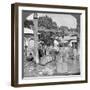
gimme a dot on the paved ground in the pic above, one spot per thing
(62, 65)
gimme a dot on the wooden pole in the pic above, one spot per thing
(36, 37)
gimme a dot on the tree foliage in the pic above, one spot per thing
(64, 30)
(47, 22)
(28, 23)
(43, 21)
(46, 37)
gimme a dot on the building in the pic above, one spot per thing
(69, 40)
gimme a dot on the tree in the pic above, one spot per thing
(64, 31)
(46, 37)
(47, 22)
(28, 23)
(43, 21)
(54, 25)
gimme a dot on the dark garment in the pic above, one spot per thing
(30, 59)
(41, 53)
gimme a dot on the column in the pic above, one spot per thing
(35, 17)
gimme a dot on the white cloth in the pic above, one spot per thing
(56, 43)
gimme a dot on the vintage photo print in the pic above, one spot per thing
(51, 45)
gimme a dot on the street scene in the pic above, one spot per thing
(51, 44)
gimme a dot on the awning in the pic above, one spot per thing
(28, 31)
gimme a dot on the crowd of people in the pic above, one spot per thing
(65, 57)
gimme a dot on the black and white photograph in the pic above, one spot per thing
(49, 44)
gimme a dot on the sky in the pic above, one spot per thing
(61, 19)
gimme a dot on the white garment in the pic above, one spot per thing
(56, 43)
(31, 44)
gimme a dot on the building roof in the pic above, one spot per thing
(28, 31)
